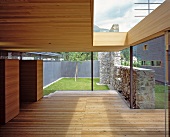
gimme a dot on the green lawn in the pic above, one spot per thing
(160, 96)
(70, 84)
(66, 84)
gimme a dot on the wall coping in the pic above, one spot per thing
(135, 68)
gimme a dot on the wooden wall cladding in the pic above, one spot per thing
(31, 80)
(52, 24)
(39, 79)
(9, 90)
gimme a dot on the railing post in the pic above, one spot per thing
(131, 77)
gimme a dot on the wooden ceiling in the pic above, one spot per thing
(116, 39)
(152, 26)
(64, 25)
(47, 25)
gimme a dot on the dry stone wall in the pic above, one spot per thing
(145, 97)
(143, 86)
(107, 61)
(117, 77)
(104, 58)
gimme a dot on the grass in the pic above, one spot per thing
(66, 84)
(160, 96)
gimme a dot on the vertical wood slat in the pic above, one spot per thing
(31, 80)
(9, 90)
(39, 79)
(2, 91)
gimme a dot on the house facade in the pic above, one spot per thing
(152, 56)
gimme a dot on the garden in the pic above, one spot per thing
(75, 75)
(84, 84)
(69, 84)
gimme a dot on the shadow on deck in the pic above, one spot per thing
(84, 114)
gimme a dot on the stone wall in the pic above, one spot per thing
(143, 85)
(145, 97)
(117, 77)
(107, 61)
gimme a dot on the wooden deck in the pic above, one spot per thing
(84, 114)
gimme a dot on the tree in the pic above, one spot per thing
(76, 57)
(125, 54)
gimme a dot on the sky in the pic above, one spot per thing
(108, 12)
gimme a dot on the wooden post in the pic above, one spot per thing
(91, 71)
(131, 77)
(9, 89)
(31, 80)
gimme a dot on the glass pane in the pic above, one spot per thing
(151, 91)
(125, 57)
(101, 70)
(71, 73)
(167, 95)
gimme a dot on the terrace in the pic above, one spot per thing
(67, 26)
(82, 114)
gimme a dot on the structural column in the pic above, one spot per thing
(91, 71)
(169, 85)
(9, 89)
(131, 77)
(167, 43)
(31, 80)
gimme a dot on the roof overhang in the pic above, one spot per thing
(62, 25)
(115, 39)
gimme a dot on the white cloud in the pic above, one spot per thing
(101, 6)
(108, 12)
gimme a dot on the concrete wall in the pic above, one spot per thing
(68, 69)
(84, 69)
(51, 72)
(156, 51)
(55, 70)
(96, 68)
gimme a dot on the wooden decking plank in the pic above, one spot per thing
(84, 114)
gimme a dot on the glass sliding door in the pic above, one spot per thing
(73, 72)
(102, 66)
(151, 92)
(167, 89)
